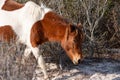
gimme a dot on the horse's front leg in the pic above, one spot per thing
(40, 61)
(26, 54)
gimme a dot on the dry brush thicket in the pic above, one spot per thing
(101, 27)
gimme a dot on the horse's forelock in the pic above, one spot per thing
(78, 32)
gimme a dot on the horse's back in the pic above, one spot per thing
(2, 2)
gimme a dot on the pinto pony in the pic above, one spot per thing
(33, 25)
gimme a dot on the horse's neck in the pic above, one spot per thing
(54, 33)
(54, 26)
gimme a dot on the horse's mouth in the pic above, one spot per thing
(75, 62)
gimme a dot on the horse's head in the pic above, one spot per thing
(72, 43)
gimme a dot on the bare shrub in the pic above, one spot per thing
(10, 63)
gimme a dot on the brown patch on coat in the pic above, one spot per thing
(37, 35)
(51, 28)
(12, 5)
(7, 34)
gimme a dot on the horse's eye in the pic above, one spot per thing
(75, 40)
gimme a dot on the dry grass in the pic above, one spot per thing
(12, 69)
(10, 63)
(10, 60)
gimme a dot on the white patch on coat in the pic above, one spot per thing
(22, 20)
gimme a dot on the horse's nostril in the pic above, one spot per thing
(79, 61)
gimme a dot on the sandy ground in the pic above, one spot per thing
(89, 69)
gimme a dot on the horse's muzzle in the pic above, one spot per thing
(77, 60)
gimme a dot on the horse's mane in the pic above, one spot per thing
(36, 11)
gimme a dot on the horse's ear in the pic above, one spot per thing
(79, 25)
(67, 32)
(70, 30)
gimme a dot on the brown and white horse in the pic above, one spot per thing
(33, 25)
